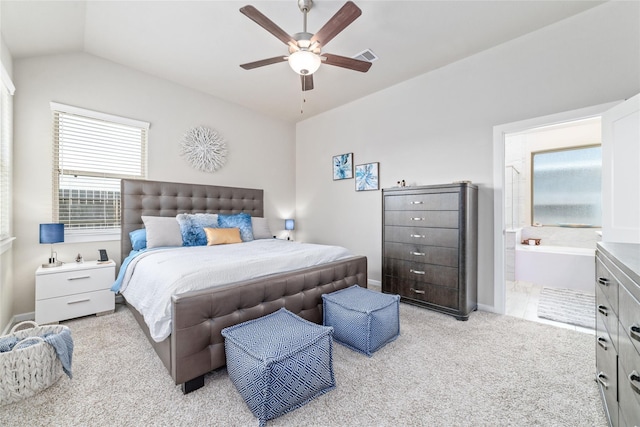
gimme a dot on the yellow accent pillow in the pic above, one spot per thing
(221, 236)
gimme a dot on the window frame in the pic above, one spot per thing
(7, 90)
(92, 234)
(532, 182)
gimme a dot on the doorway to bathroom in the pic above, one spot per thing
(557, 250)
(552, 221)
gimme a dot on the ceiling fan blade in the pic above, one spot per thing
(263, 62)
(338, 22)
(256, 16)
(345, 62)
(307, 82)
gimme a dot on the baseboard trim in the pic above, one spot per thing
(17, 319)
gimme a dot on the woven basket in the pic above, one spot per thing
(31, 366)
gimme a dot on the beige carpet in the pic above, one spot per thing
(490, 371)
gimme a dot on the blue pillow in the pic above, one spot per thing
(138, 239)
(241, 221)
(192, 227)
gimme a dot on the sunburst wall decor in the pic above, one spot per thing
(204, 149)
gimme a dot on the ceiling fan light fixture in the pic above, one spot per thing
(304, 62)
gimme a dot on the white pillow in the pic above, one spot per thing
(260, 228)
(162, 231)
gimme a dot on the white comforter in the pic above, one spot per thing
(152, 277)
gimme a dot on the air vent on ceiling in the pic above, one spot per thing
(366, 55)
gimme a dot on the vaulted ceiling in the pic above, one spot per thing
(200, 44)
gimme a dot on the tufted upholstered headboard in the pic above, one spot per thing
(156, 198)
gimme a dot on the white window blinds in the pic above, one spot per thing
(6, 153)
(91, 153)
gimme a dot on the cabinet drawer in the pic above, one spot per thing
(606, 281)
(418, 291)
(629, 317)
(421, 253)
(419, 202)
(606, 369)
(607, 316)
(70, 306)
(422, 236)
(73, 282)
(437, 219)
(420, 272)
(629, 380)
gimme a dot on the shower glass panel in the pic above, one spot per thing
(512, 197)
(566, 188)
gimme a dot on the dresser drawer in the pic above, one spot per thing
(629, 314)
(415, 202)
(73, 282)
(420, 272)
(421, 253)
(436, 219)
(422, 292)
(607, 316)
(629, 380)
(422, 236)
(606, 369)
(70, 306)
(606, 281)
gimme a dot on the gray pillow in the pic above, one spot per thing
(260, 228)
(162, 231)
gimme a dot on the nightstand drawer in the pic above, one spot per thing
(73, 282)
(70, 306)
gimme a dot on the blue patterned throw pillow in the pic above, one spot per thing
(241, 221)
(192, 227)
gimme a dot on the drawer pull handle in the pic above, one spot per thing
(603, 281)
(418, 235)
(601, 379)
(79, 301)
(417, 219)
(417, 253)
(416, 202)
(416, 271)
(417, 291)
(603, 310)
(634, 381)
(602, 342)
(79, 278)
(634, 331)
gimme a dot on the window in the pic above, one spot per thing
(6, 142)
(92, 152)
(566, 187)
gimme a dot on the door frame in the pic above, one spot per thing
(499, 135)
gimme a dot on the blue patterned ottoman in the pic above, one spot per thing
(362, 319)
(279, 362)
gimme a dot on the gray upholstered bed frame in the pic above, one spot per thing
(196, 346)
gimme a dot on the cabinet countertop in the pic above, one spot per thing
(625, 255)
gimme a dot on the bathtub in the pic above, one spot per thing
(557, 267)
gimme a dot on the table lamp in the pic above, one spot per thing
(52, 233)
(289, 224)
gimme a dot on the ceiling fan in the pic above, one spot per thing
(305, 49)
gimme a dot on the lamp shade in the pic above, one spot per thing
(304, 62)
(289, 224)
(51, 233)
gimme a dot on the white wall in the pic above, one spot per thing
(6, 258)
(261, 150)
(437, 128)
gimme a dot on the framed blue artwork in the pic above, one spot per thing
(367, 176)
(343, 166)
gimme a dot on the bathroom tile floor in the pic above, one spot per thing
(522, 301)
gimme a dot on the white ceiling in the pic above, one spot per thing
(200, 44)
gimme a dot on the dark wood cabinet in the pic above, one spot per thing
(430, 246)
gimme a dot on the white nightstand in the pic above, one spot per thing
(74, 290)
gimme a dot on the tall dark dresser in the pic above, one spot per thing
(430, 246)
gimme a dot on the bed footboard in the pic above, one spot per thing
(197, 346)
